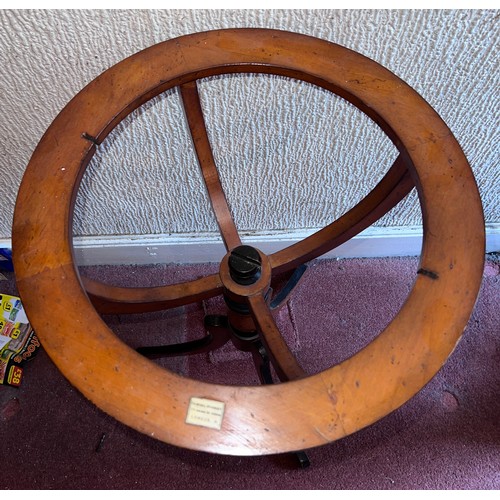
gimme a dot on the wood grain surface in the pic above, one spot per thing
(294, 415)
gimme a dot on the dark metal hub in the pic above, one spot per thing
(245, 265)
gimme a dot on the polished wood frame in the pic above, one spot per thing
(305, 411)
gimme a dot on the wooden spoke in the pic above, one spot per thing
(393, 187)
(284, 362)
(196, 122)
(108, 299)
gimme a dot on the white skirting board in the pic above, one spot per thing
(198, 248)
(208, 247)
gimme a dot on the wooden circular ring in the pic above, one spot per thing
(264, 419)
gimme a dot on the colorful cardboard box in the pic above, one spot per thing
(18, 341)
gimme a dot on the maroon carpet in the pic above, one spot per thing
(446, 437)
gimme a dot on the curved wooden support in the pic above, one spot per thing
(308, 411)
(282, 359)
(393, 187)
(196, 122)
(109, 299)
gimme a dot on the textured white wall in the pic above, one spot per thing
(290, 156)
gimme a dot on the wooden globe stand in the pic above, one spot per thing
(302, 411)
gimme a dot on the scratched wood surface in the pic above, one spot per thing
(306, 411)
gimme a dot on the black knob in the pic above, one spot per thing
(245, 265)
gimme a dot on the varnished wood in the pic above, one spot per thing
(109, 299)
(394, 186)
(299, 414)
(196, 122)
(286, 365)
(240, 292)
